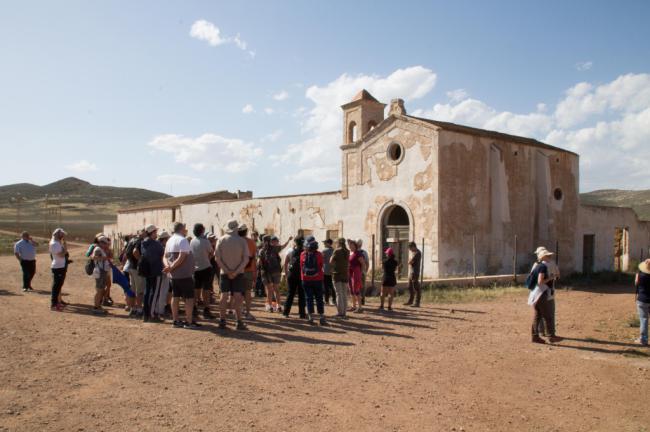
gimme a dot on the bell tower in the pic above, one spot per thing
(360, 115)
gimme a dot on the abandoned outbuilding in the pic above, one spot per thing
(474, 200)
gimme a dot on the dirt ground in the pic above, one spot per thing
(461, 367)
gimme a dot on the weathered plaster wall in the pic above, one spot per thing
(602, 223)
(129, 223)
(497, 189)
(375, 183)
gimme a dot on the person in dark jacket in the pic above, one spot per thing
(294, 284)
(389, 280)
(642, 283)
(151, 268)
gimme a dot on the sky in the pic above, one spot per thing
(196, 96)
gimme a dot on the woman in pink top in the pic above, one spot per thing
(357, 264)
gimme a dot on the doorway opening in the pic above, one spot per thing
(396, 233)
(588, 249)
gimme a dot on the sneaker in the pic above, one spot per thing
(555, 339)
(190, 326)
(133, 313)
(241, 325)
(197, 324)
(178, 324)
(310, 319)
(127, 308)
(322, 321)
(25, 289)
(222, 324)
(250, 316)
(207, 314)
(268, 308)
(57, 308)
(641, 342)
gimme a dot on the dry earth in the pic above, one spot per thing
(472, 369)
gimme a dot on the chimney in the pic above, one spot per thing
(397, 107)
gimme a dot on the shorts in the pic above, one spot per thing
(183, 288)
(203, 279)
(137, 282)
(248, 280)
(389, 282)
(100, 281)
(236, 285)
(271, 278)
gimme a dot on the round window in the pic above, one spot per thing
(557, 193)
(395, 152)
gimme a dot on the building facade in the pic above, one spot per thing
(475, 201)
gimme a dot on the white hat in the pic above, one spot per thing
(542, 252)
(58, 231)
(232, 226)
(103, 239)
(211, 235)
(163, 235)
(644, 267)
(150, 228)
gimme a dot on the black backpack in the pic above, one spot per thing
(310, 268)
(531, 279)
(89, 268)
(294, 264)
(130, 247)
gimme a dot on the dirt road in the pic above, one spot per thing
(431, 369)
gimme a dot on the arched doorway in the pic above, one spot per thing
(396, 233)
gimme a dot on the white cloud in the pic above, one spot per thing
(248, 108)
(81, 166)
(323, 122)
(176, 179)
(280, 96)
(273, 136)
(207, 31)
(269, 111)
(209, 151)
(457, 95)
(607, 124)
(584, 66)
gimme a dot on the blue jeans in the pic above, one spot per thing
(643, 309)
(314, 289)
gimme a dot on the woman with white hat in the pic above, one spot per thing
(538, 298)
(59, 267)
(642, 283)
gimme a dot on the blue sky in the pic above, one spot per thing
(187, 97)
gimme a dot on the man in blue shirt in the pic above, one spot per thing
(25, 252)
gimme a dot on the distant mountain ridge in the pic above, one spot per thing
(638, 200)
(81, 191)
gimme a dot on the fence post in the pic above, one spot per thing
(422, 264)
(557, 253)
(374, 256)
(474, 258)
(514, 263)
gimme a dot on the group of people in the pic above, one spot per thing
(166, 269)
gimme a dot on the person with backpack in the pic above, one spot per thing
(311, 275)
(294, 283)
(133, 254)
(389, 280)
(271, 267)
(340, 264)
(328, 285)
(537, 281)
(102, 265)
(554, 273)
(151, 268)
(415, 262)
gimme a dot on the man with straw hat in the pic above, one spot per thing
(538, 297)
(642, 283)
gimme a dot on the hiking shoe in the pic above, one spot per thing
(310, 319)
(539, 340)
(222, 324)
(323, 321)
(555, 339)
(250, 316)
(178, 324)
(241, 325)
(25, 289)
(190, 326)
(207, 314)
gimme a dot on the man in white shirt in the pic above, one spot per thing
(25, 252)
(58, 266)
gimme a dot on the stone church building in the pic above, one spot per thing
(468, 197)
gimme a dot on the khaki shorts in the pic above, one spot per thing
(137, 282)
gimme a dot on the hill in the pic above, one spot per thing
(75, 204)
(637, 200)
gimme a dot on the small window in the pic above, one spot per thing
(352, 132)
(557, 193)
(395, 152)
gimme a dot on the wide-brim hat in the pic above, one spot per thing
(150, 228)
(644, 267)
(544, 253)
(163, 235)
(232, 226)
(58, 231)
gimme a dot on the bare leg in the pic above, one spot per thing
(223, 305)
(175, 303)
(382, 295)
(99, 296)
(189, 306)
(237, 300)
(248, 298)
(391, 294)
